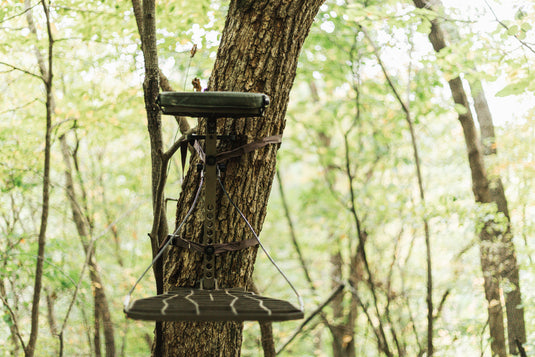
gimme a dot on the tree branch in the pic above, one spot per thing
(21, 70)
(522, 42)
(361, 236)
(408, 118)
(319, 309)
(298, 249)
(26, 9)
(14, 319)
(164, 82)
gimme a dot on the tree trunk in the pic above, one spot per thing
(51, 317)
(82, 226)
(96, 332)
(46, 76)
(516, 327)
(259, 49)
(145, 15)
(344, 330)
(480, 188)
(266, 331)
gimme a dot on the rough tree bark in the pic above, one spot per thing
(489, 252)
(259, 49)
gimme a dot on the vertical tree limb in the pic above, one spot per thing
(516, 327)
(417, 162)
(300, 255)
(51, 317)
(102, 310)
(361, 249)
(266, 331)
(480, 188)
(46, 75)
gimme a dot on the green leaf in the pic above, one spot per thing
(513, 30)
(7, 319)
(460, 109)
(513, 88)
(424, 27)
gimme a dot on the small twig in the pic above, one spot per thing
(14, 318)
(19, 14)
(21, 70)
(86, 263)
(404, 105)
(48, 262)
(87, 11)
(362, 235)
(292, 232)
(379, 333)
(441, 304)
(62, 122)
(20, 106)
(524, 43)
(298, 249)
(482, 338)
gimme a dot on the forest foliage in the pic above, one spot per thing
(346, 171)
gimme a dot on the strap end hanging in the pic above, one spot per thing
(183, 157)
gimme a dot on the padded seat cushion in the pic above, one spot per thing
(219, 104)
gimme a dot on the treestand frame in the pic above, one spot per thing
(208, 302)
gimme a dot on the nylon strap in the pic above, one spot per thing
(219, 248)
(241, 150)
(211, 158)
(244, 149)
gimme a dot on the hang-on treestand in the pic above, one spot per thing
(209, 302)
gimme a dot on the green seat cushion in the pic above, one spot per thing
(219, 104)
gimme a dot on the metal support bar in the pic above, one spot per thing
(210, 227)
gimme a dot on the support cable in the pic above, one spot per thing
(301, 305)
(162, 249)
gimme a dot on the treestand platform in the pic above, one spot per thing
(184, 304)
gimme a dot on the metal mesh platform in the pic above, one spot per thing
(185, 304)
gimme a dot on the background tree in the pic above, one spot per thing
(494, 240)
(46, 70)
